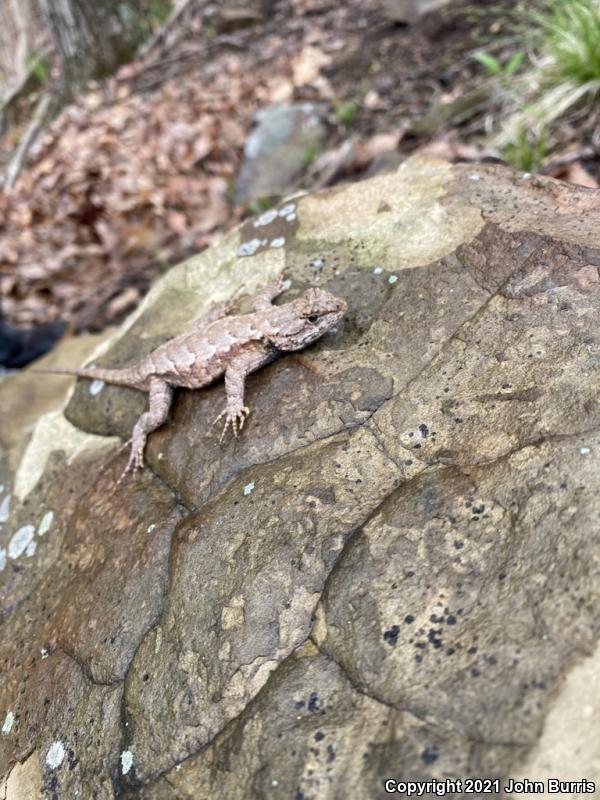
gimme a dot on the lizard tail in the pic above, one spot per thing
(118, 377)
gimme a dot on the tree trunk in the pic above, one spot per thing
(93, 36)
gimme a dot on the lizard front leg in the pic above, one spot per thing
(235, 412)
(159, 402)
(264, 299)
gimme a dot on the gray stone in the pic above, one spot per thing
(285, 140)
(411, 11)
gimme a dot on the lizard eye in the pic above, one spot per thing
(312, 318)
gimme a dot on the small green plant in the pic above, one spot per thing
(39, 67)
(159, 10)
(495, 67)
(347, 112)
(261, 204)
(527, 152)
(311, 151)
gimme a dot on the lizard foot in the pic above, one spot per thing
(233, 418)
(136, 462)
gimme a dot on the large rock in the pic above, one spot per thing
(393, 573)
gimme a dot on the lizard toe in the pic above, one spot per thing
(221, 415)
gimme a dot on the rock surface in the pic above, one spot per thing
(393, 573)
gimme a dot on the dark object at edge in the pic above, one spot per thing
(19, 347)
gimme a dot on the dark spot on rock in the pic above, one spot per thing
(408, 462)
(313, 701)
(424, 430)
(451, 620)
(300, 704)
(458, 544)
(430, 754)
(475, 672)
(330, 754)
(391, 636)
(409, 618)
(319, 735)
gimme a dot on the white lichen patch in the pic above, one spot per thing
(30, 549)
(126, 761)
(44, 653)
(151, 528)
(392, 279)
(584, 451)
(290, 218)
(287, 209)
(278, 242)
(5, 509)
(266, 218)
(377, 270)
(20, 541)
(2, 558)
(249, 488)
(474, 177)
(9, 721)
(55, 755)
(96, 387)
(249, 248)
(46, 523)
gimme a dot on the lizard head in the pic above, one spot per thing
(307, 318)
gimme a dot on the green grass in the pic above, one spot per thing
(527, 152)
(570, 32)
(563, 73)
(494, 66)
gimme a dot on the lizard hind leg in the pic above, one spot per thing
(160, 396)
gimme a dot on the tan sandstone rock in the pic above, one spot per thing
(393, 573)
